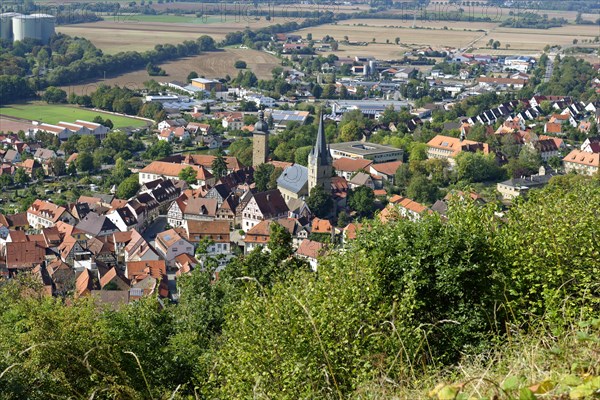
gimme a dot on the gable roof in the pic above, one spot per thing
(156, 269)
(172, 170)
(23, 255)
(311, 249)
(271, 203)
(388, 168)
(351, 165)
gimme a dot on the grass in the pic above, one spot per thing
(54, 113)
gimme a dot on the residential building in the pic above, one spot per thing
(447, 148)
(262, 206)
(217, 232)
(582, 162)
(347, 167)
(43, 214)
(170, 244)
(161, 169)
(311, 251)
(516, 187)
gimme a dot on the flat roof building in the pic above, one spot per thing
(368, 151)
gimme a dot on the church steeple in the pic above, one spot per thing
(320, 163)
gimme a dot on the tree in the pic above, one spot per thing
(160, 149)
(54, 95)
(128, 188)
(87, 144)
(192, 75)
(5, 181)
(350, 132)
(121, 171)
(72, 168)
(301, 155)
(273, 178)
(85, 162)
(21, 177)
(219, 166)
(421, 189)
(320, 202)
(38, 174)
(335, 46)
(58, 166)
(189, 175)
(477, 167)
(239, 64)
(262, 176)
(362, 201)
(397, 40)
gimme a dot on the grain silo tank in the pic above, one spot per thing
(6, 29)
(25, 26)
(45, 23)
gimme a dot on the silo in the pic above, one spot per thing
(45, 22)
(6, 30)
(25, 26)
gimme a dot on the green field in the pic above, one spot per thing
(52, 114)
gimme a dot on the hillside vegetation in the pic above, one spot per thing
(475, 306)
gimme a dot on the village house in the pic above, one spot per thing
(161, 169)
(262, 206)
(216, 232)
(403, 207)
(173, 134)
(582, 162)
(170, 244)
(447, 148)
(347, 167)
(43, 214)
(311, 251)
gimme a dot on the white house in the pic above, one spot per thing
(170, 244)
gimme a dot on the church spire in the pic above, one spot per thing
(320, 153)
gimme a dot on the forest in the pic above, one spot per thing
(406, 309)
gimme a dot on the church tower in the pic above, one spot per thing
(260, 141)
(320, 163)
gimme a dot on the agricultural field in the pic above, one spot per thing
(52, 114)
(131, 33)
(444, 34)
(210, 65)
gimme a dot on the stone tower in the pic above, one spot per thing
(260, 141)
(320, 163)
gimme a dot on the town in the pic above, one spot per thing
(124, 194)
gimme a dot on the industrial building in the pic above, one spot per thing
(15, 26)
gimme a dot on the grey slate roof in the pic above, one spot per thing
(293, 178)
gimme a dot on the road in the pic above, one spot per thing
(157, 226)
(549, 67)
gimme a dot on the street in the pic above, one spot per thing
(157, 226)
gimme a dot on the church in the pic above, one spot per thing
(297, 181)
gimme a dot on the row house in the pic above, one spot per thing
(262, 206)
(168, 170)
(217, 232)
(43, 214)
(164, 191)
